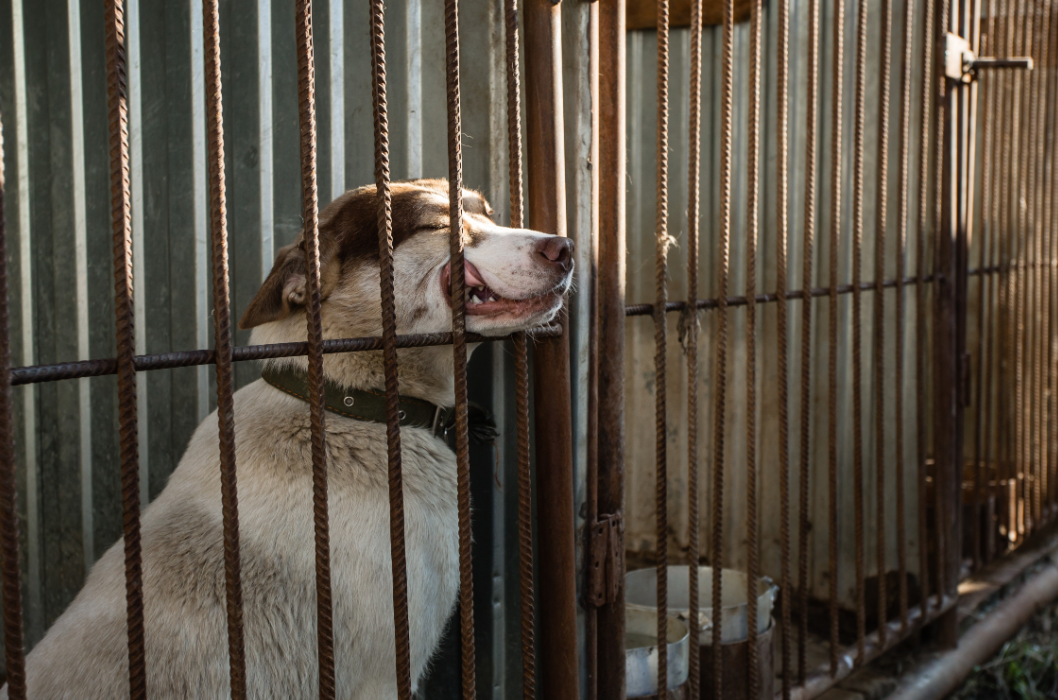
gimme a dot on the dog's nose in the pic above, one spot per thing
(557, 251)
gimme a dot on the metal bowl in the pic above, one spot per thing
(641, 652)
(641, 587)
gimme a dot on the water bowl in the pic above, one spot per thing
(641, 652)
(641, 588)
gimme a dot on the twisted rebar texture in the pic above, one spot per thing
(222, 336)
(521, 368)
(987, 95)
(752, 206)
(881, 205)
(985, 443)
(310, 214)
(10, 577)
(398, 560)
(1049, 217)
(922, 414)
(661, 238)
(832, 327)
(117, 98)
(1018, 171)
(902, 222)
(459, 345)
(782, 214)
(691, 328)
(720, 393)
(811, 111)
(857, 322)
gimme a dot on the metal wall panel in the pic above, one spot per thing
(641, 86)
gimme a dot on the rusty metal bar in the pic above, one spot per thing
(812, 98)
(10, 574)
(459, 347)
(921, 340)
(982, 390)
(691, 328)
(1017, 318)
(547, 212)
(948, 349)
(384, 198)
(881, 205)
(120, 199)
(720, 392)
(782, 340)
(661, 237)
(527, 603)
(222, 337)
(310, 214)
(823, 678)
(1048, 203)
(769, 297)
(832, 326)
(902, 225)
(611, 313)
(35, 374)
(752, 206)
(857, 325)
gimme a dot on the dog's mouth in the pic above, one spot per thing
(481, 300)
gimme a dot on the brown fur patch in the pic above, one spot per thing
(348, 236)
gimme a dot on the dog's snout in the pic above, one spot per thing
(557, 251)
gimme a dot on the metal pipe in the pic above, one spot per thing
(947, 672)
(559, 670)
(610, 618)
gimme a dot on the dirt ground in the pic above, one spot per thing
(1026, 668)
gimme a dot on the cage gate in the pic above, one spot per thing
(926, 376)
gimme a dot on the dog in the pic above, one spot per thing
(516, 280)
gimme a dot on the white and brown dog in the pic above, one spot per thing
(516, 280)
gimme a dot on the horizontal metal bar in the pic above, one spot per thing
(823, 678)
(35, 374)
(647, 309)
(994, 269)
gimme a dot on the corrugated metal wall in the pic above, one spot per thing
(641, 85)
(52, 87)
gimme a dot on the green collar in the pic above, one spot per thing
(370, 406)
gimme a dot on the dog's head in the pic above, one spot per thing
(515, 278)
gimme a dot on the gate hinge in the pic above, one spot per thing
(606, 559)
(962, 65)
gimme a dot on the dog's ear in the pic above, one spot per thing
(284, 291)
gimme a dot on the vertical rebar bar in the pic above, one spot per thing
(782, 341)
(811, 111)
(521, 365)
(691, 328)
(832, 326)
(222, 337)
(921, 339)
(881, 204)
(459, 345)
(661, 243)
(720, 393)
(902, 225)
(10, 575)
(120, 200)
(384, 203)
(310, 219)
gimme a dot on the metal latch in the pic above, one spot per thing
(962, 65)
(606, 559)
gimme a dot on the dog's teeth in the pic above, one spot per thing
(475, 300)
(492, 298)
